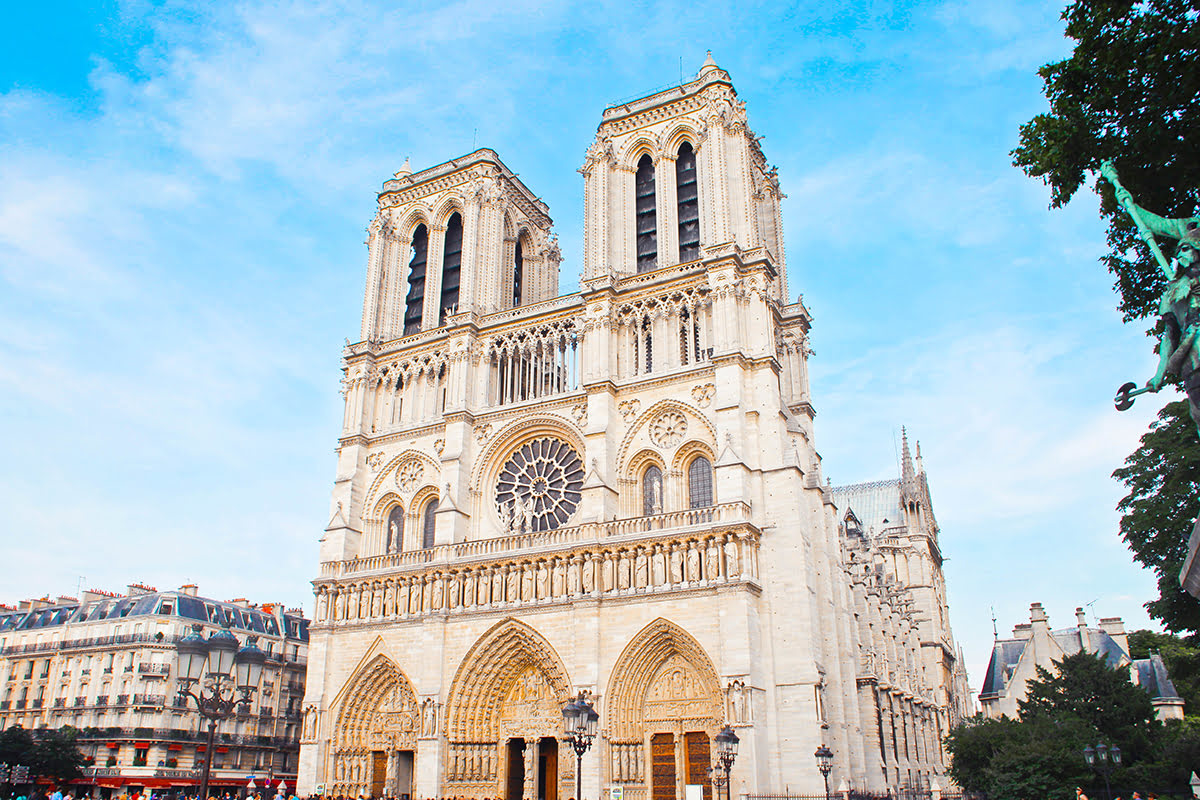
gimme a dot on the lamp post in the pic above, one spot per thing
(727, 747)
(1103, 759)
(579, 724)
(218, 671)
(824, 758)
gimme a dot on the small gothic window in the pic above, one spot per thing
(428, 524)
(700, 489)
(518, 273)
(689, 204)
(395, 530)
(415, 301)
(451, 267)
(647, 216)
(652, 491)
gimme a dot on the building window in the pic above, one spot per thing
(451, 267)
(700, 489)
(652, 491)
(518, 273)
(395, 530)
(647, 216)
(427, 529)
(414, 303)
(689, 204)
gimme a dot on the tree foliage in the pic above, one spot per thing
(1040, 754)
(1130, 92)
(1163, 478)
(48, 752)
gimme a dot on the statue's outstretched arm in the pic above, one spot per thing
(1140, 215)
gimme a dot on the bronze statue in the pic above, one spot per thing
(1179, 308)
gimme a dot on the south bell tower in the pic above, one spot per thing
(612, 491)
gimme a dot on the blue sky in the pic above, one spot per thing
(184, 191)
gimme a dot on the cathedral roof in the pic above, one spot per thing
(876, 504)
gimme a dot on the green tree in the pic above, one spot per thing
(1084, 688)
(55, 755)
(1040, 754)
(1130, 91)
(16, 746)
(1163, 479)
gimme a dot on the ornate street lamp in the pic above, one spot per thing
(219, 670)
(1103, 759)
(579, 724)
(727, 747)
(824, 758)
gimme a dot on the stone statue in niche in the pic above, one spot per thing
(513, 591)
(439, 598)
(559, 580)
(641, 570)
(733, 562)
(693, 563)
(497, 587)
(543, 581)
(712, 560)
(659, 566)
(623, 570)
(526, 582)
(676, 559)
(574, 581)
(589, 577)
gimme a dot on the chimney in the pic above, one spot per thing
(1022, 631)
(1115, 627)
(190, 589)
(1038, 615)
(1085, 641)
(63, 600)
(240, 602)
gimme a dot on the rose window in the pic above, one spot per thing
(409, 474)
(539, 486)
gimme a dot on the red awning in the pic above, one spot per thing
(174, 747)
(222, 749)
(113, 745)
(142, 745)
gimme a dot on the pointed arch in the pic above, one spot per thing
(640, 667)
(378, 707)
(488, 671)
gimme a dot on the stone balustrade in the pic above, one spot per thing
(569, 569)
(586, 533)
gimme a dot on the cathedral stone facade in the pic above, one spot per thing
(614, 492)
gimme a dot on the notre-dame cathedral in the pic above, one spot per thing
(615, 491)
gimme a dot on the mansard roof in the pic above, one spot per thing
(1149, 673)
(256, 620)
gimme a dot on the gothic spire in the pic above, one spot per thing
(906, 463)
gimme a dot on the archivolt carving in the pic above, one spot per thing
(510, 664)
(379, 713)
(663, 674)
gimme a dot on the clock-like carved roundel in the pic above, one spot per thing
(539, 486)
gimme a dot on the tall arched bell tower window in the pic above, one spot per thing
(647, 216)
(451, 267)
(414, 302)
(518, 272)
(689, 204)
(427, 524)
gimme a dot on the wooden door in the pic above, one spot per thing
(662, 766)
(516, 769)
(548, 777)
(378, 772)
(699, 760)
